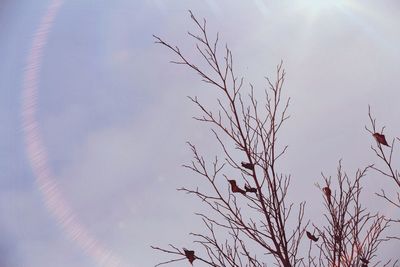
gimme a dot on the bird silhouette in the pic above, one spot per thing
(312, 237)
(380, 138)
(189, 255)
(235, 188)
(247, 165)
(250, 189)
(328, 193)
(364, 262)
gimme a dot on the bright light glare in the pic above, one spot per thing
(323, 4)
(315, 8)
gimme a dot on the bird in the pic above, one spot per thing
(189, 255)
(380, 138)
(328, 193)
(247, 165)
(250, 189)
(235, 188)
(364, 262)
(312, 237)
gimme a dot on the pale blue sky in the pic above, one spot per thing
(114, 116)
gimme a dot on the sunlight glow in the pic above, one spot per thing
(318, 5)
(315, 8)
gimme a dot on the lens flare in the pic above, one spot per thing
(37, 154)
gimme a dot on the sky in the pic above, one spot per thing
(112, 116)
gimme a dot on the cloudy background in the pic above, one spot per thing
(114, 116)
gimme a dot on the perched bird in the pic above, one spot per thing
(235, 188)
(247, 165)
(380, 138)
(312, 237)
(327, 191)
(189, 255)
(364, 262)
(250, 189)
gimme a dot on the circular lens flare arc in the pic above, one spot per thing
(37, 154)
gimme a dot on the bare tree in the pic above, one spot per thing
(384, 152)
(351, 235)
(250, 220)
(257, 185)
